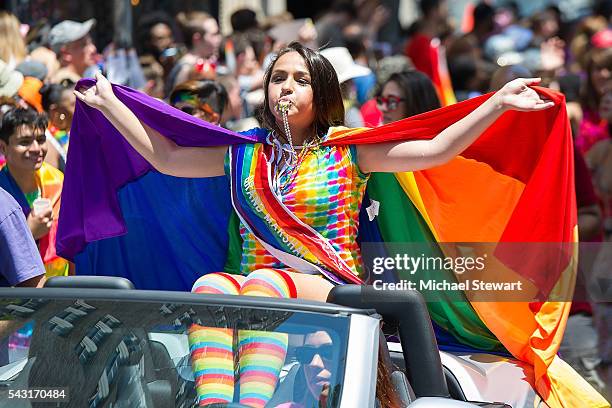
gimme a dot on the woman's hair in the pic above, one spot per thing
(327, 100)
(596, 58)
(13, 46)
(386, 394)
(418, 92)
(210, 92)
(52, 94)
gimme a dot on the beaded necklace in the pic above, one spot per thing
(284, 155)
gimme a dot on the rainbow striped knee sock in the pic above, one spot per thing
(212, 356)
(262, 354)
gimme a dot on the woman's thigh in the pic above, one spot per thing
(311, 287)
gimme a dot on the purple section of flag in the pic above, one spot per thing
(100, 162)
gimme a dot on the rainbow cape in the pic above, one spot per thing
(515, 184)
(50, 181)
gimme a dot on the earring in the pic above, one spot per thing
(62, 116)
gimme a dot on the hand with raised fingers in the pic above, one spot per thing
(98, 96)
(518, 95)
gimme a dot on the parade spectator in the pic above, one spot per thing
(72, 42)
(153, 73)
(235, 110)
(419, 49)
(10, 80)
(245, 67)
(598, 72)
(29, 93)
(13, 49)
(27, 178)
(347, 70)
(156, 37)
(360, 48)
(202, 39)
(34, 69)
(464, 76)
(406, 94)
(204, 99)
(599, 159)
(243, 20)
(330, 25)
(20, 263)
(155, 34)
(58, 101)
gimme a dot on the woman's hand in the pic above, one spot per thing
(98, 96)
(517, 95)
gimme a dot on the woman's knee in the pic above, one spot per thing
(219, 283)
(269, 283)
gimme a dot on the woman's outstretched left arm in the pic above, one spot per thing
(413, 155)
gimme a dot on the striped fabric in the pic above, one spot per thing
(315, 217)
(515, 184)
(217, 283)
(260, 354)
(270, 283)
(211, 348)
(212, 362)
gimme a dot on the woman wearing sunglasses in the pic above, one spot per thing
(307, 382)
(406, 94)
(203, 99)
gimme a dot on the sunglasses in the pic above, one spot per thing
(204, 109)
(305, 354)
(391, 102)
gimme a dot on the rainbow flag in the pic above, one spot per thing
(513, 185)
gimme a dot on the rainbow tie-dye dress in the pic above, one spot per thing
(325, 192)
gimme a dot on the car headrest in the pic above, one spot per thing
(89, 282)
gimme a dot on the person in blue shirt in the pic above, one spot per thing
(20, 262)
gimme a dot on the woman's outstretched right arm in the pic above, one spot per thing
(163, 154)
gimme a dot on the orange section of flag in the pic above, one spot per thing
(481, 218)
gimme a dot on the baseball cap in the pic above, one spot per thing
(10, 80)
(68, 31)
(31, 68)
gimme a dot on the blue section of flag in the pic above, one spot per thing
(177, 232)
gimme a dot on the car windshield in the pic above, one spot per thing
(102, 353)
